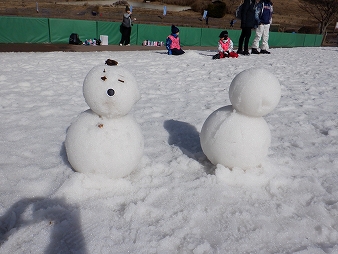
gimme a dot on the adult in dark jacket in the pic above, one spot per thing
(125, 28)
(248, 22)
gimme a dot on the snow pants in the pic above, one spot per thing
(262, 32)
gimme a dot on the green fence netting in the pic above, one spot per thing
(190, 36)
(24, 30)
(44, 30)
(151, 33)
(61, 29)
(110, 29)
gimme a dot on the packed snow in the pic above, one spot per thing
(176, 201)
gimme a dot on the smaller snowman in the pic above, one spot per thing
(106, 139)
(237, 135)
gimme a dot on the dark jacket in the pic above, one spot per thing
(126, 22)
(248, 14)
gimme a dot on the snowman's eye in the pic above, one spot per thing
(110, 92)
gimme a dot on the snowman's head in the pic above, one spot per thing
(110, 91)
(255, 92)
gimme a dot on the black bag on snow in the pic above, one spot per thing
(217, 56)
(74, 39)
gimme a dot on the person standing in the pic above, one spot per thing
(125, 27)
(248, 22)
(263, 16)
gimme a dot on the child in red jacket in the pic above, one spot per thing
(225, 47)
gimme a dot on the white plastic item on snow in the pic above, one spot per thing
(104, 39)
(106, 139)
(237, 135)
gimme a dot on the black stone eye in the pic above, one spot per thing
(110, 92)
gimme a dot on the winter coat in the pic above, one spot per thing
(173, 42)
(225, 45)
(126, 22)
(263, 13)
(248, 14)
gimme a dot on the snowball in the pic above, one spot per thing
(233, 139)
(255, 92)
(110, 91)
(109, 146)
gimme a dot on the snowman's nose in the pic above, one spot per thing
(110, 92)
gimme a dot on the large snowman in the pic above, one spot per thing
(106, 139)
(237, 135)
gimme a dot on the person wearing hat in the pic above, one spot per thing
(173, 42)
(225, 46)
(125, 27)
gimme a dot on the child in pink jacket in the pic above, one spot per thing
(225, 47)
(173, 42)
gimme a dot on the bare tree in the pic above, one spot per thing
(324, 11)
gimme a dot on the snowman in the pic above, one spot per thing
(106, 139)
(237, 135)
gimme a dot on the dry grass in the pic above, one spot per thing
(286, 13)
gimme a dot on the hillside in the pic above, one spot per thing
(287, 15)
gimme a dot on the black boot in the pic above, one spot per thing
(217, 56)
(254, 51)
(263, 51)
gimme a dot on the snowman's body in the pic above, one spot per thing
(237, 135)
(234, 139)
(106, 139)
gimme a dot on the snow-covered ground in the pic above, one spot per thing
(176, 201)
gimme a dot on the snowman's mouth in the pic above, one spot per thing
(110, 92)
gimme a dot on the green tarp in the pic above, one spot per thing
(111, 29)
(61, 29)
(24, 30)
(189, 36)
(43, 30)
(151, 33)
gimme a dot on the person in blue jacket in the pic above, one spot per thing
(263, 15)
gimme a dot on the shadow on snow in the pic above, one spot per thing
(186, 137)
(63, 219)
